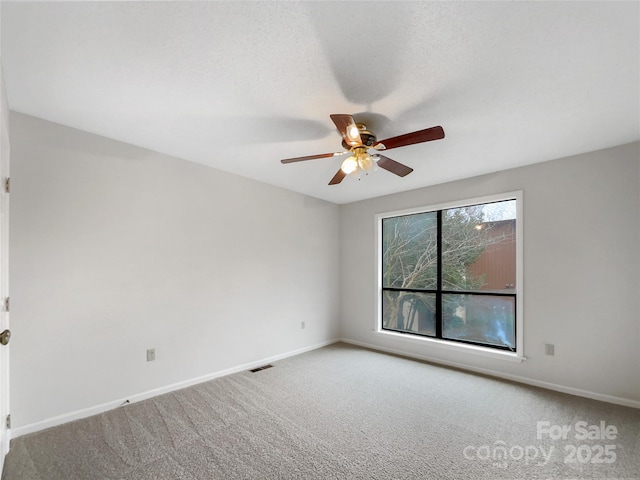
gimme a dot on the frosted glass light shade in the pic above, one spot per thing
(364, 161)
(349, 165)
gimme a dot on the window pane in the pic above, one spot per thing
(487, 319)
(479, 247)
(409, 312)
(409, 251)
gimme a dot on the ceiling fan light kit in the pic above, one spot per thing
(358, 140)
(359, 160)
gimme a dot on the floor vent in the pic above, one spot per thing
(260, 368)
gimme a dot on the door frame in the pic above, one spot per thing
(5, 152)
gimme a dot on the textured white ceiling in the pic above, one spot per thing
(240, 85)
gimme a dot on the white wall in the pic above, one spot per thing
(581, 271)
(116, 249)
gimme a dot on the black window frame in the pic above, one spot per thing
(439, 292)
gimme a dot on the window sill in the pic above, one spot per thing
(452, 346)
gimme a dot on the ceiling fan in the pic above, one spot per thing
(358, 140)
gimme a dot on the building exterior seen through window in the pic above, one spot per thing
(451, 274)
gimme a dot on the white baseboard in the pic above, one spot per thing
(97, 409)
(515, 378)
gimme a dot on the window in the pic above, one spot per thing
(451, 273)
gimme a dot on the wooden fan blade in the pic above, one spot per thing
(393, 166)
(426, 135)
(347, 127)
(338, 177)
(310, 157)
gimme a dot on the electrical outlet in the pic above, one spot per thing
(549, 349)
(302, 325)
(151, 354)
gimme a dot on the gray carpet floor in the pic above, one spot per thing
(339, 412)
